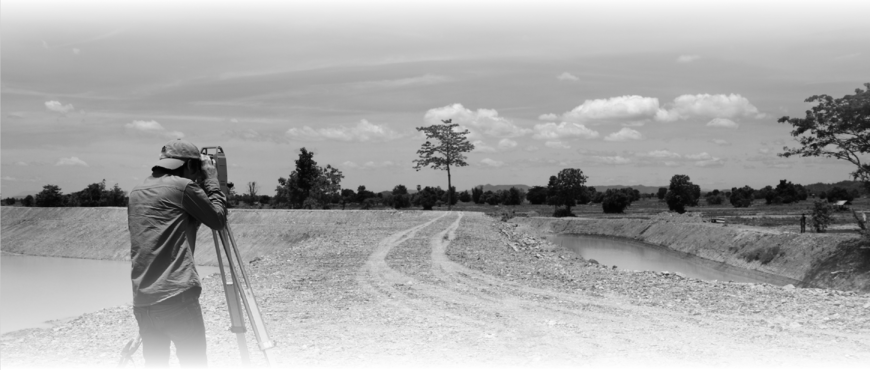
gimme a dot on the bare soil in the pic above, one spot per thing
(454, 289)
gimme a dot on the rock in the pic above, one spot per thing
(789, 287)
(680, 274)
(592, 261)
(867, 305)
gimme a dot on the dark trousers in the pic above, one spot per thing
(177, 320)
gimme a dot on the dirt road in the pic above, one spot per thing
(445, 289)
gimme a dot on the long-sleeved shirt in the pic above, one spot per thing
(163, 215)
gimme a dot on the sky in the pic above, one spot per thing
(630, 92)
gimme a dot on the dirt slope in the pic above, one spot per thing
(437, 289)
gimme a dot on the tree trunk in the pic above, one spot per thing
(449, 193)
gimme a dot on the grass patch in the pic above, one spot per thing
(764, 254)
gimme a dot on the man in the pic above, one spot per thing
(163, 215)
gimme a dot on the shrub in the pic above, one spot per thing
(27, 201)
(821, 215)
(764, 254)
(476, 194)
(714, 200)
(838, 193)
(537, 195)
(615, 201)
(563, 212)
(9, 201)
(464, 196)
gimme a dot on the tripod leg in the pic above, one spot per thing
(249, 300)
(231, 292)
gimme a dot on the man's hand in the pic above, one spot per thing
(209, 171)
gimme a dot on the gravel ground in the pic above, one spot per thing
(439, 289)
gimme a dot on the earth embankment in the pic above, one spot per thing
(101, 233)
(807, 257)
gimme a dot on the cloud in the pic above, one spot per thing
(152, 128)
(492, 162)
(699, 156)
(20, 163)
(660, 154)
(565, 76)
(548, 117)
(551, 131)
(486, 121)
(611, 159)
(620, 107)
(481, 147)
(424, 80)
(687, 58)
(557, 145)
(364, 131)
(624, 135)
(233, 120)
(369, 165)
(76, 51)
(722, 122)
(706, 105)
(56, 106)
(15, 115)
(712, 162)
(505, 144)
(720, 142)
(71, 161)
(532, 148)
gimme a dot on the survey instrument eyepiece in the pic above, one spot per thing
(217, 154)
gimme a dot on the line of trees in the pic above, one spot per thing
(94, 195)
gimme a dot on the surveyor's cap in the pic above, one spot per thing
(176, 152)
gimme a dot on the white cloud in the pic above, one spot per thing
(56, 106)
(565, 76)
(492, 162)
(486, 121)
(557, 145)
(233, 120)
(507, 144)
(660, 154)
(706, 105)
(611, 159)
(699, 156)
(152, 128)
(364, 131)
(620, 107)
(722, 122)
(71, 161)
(548, 117)
(623, 135)
(481, 147)
(551, 131)
(9, 178)
(712, 162)
(687, 58)
(671, 164)
(427, 79)
(369, 165)
(720, 142)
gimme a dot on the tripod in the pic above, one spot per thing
(239, 286)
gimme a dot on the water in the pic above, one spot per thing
(628, 254)
(34, 290)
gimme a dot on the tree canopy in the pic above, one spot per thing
(567, 186)
(447, 152)
(835, 128)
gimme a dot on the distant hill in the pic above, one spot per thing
(848, 185)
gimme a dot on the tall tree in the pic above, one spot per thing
(253, 189)
(835, 128)
(681, 193)
(451, 143)
(50, 196)
(567, 187)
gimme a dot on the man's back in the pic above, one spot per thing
(163, 216)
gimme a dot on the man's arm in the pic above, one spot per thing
(208, 206)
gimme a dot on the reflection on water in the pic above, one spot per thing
(628, 254)
(34, 290)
